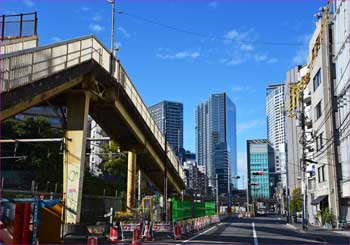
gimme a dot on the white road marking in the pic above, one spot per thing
(200, 234)
(254, 235)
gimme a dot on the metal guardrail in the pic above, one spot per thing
(14, 26)
(26, 66)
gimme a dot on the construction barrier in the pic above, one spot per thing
(128, 228)
(159, 228)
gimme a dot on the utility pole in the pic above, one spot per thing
(247, 193)
(165, 198)
(303, 163)
(217, 193)
(112, 36)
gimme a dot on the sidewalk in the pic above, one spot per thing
(322, 234)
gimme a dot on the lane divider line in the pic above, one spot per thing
(202, 233)
(254, 235)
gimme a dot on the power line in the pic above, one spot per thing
(211, 36)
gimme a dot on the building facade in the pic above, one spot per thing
(169, 118)
(216, 140)
(260, 159)
(276, 127)
(341, 19)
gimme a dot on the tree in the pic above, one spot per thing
(114, 166)
(297, 201)
(44, 161)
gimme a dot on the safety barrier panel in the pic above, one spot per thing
(128, 228)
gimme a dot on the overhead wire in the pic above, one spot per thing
(211, 36)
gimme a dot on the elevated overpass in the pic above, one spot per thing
(81, 75)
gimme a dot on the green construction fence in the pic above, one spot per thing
(182, 210)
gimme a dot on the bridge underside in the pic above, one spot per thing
(109, 106)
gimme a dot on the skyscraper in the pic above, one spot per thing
(169, 118)
(276, 123)
(216, 140)
(260, 158)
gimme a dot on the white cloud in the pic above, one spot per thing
(272, 61)
(29, 3)
(235, 61)
(56, 39)
(213, 5)
(124, 32)
(84, 8)
(259, 58)
(243, 88)
(96, 27)
(97, 17)
(179, 55)
(249, 125)
(300, 57)
(247, 47)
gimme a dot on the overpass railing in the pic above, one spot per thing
(26, 66)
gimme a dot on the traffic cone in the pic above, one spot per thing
(136, 240)
(113, 234)
(177, 232)
(147, 232)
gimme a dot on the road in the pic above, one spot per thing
(260, 230)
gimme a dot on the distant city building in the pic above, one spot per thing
(189, 156)
(49, 113)
(260, 159)
(169, 118)
(216, 140)
(196, 181)
(96, 148)
(275, 112)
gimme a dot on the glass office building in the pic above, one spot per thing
(260, 158)
(216, 140)
(169, 118)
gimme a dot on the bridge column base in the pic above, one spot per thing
(74, 155)
(131, 185)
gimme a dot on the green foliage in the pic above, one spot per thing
(43, 160)
(296, 200)
(327, 216)
(115, 166)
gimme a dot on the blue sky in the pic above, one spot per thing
(168, 65)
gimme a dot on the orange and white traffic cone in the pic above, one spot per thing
(147, 232)
(136, 236)
(113, 234)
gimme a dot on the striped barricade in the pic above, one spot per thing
(127, 229)
(162, 228)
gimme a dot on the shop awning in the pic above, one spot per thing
(317, 200)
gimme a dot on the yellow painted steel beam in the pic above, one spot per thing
(119, 106)
(22, 106)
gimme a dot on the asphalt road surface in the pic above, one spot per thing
(260, 230)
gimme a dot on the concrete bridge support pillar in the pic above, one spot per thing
(131, 185)
(74, 155)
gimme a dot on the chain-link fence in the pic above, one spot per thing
(18, 25)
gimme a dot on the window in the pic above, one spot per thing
(317, 79)
(318, 111)
(321, 176)
(319, 142)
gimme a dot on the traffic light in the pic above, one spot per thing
(257, 173)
